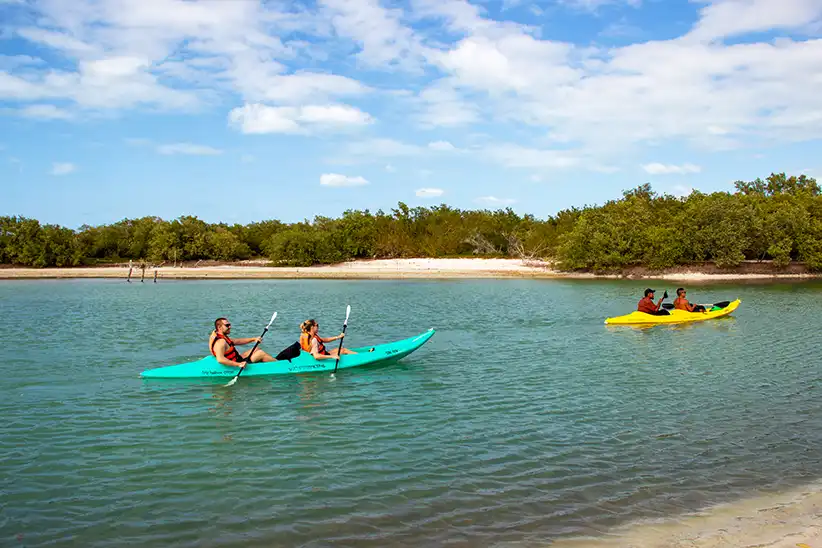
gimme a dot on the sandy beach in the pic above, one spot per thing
(401, 269)
(791, 519)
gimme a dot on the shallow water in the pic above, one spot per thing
(524, 419)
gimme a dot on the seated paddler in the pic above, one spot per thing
(224, 348)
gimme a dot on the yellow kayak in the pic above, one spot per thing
(673, 316)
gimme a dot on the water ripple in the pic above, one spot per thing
(524, 420)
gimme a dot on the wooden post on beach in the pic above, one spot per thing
(129, 271)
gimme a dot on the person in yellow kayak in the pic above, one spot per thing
(646, 304)
(681, 303)
(224, 348)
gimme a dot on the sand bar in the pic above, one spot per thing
(791, 519)
(393, 269)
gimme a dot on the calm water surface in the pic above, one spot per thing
(523, 420)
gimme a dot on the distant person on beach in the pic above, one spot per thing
(224, 348)
(311, 342)
(646, 304)
(681, 303)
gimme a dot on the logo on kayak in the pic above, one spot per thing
(313, 367)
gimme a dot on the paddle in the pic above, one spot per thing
(664, 307)
(240, 372)
(339, 350)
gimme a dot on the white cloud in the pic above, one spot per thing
(608, 101)
(511, 155)
(594, 5)
(278, 59)
(171, 54)
(335, 179)
(670, 169)
(441, 146)
(137, 141)
(383, 39)
(429, 192)
(9, 62)
(299, 88)
(188, 149)
(390, 169)
(259, 118)
(103, 84)
(46, 112)
(725, 18)
(494, 201)
(381, 148)
(62, 168)
(443, 106)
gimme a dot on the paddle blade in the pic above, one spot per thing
(231, 382)
(273, 317)
(347, 313)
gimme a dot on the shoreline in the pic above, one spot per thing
(410, 269)
(786, 519)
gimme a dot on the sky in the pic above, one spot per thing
(242, 110)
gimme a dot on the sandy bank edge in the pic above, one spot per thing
(385, 269)
(782, 520)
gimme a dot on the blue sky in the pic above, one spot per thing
(239, 111)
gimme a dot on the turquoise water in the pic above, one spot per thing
(524, 419)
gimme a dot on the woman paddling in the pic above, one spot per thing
(311, 342)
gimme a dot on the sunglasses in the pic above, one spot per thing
(226, 325)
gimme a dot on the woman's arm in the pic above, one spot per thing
(315, 351)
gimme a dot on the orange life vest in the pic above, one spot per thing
(305, 344)
(231, 352)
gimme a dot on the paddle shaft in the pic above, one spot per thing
(240, 372)
(339, 349)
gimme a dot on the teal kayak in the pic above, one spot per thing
(304, 363)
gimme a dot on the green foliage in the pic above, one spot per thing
(301, 246)
(778, 219)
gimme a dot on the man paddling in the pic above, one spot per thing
(681, 303)
(224, 348)
(646, 304)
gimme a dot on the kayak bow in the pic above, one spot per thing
(304, 363)
(675, 316)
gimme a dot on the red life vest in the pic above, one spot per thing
(231, 352)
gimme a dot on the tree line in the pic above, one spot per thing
(778, 219)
